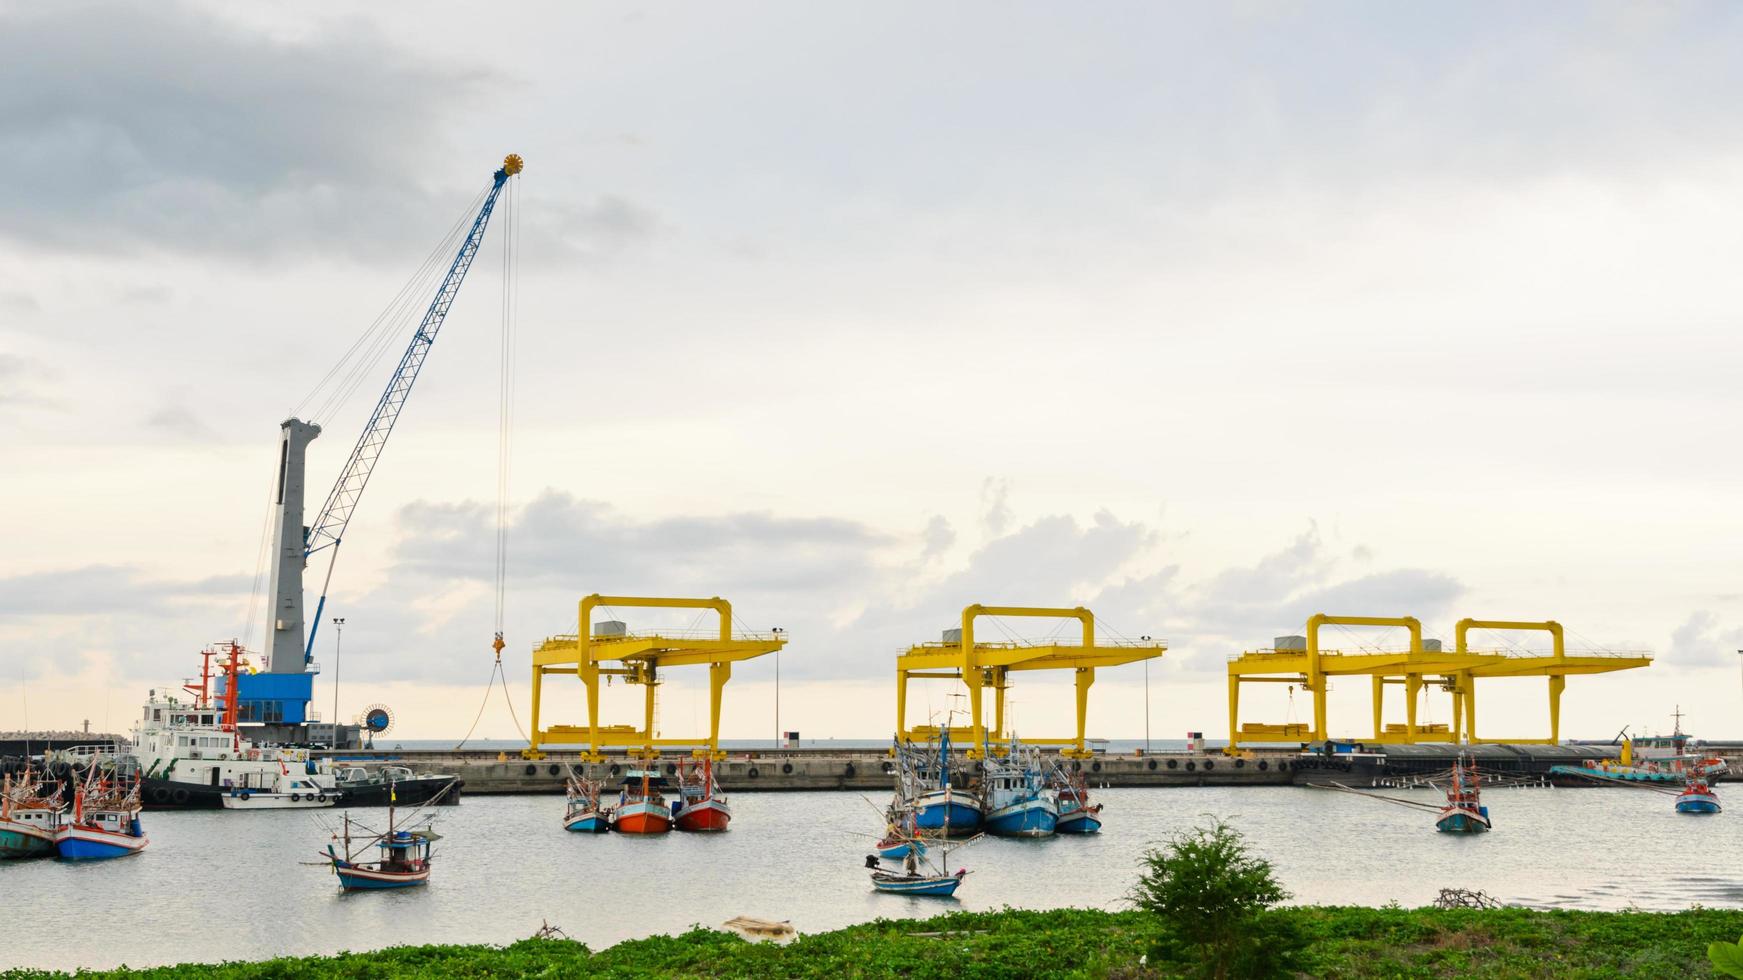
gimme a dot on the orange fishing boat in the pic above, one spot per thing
(641, 807)
(702, 806)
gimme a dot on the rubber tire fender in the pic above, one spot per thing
(1263, 765)
(849, 771)
(296, 797)
(159, 794)
(1191, 766)
(752, 772)
(179, 797)
(1152, 764)
(1173, 763)
(787, 768)
(245, 794)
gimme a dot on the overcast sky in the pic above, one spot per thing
(1209, 317)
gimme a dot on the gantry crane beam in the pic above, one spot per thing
(643, 657)
(1413, 670)
(983, 665)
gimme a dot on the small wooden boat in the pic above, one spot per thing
(1464, 812)
(1697, 796)
(702, 806)
(900, 835)
(104, 822)
(919, 876)
(403, 860)
(584, 813)
(28, 818)
(641, 807)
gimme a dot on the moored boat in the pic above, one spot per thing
(583, 812)
(641, 806)
(919, 874)
(403, 860)
(701, 805)
(944, 809)
(28, 818)
(1697, 797)
(1018, 801)
(104, 822)
(1464, 812)
(1077, 815)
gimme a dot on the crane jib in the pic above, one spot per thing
(329, 528)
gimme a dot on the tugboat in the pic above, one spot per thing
(192, 754)
(1697, 796)
(28, 818)
(1464, 812)
(1076, 814)
(404, 861)
(641, 807)
(945, 808)
(702, 806)
(583, 813)
(1018, 802)
(105, 822)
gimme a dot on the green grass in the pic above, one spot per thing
(1345, 942)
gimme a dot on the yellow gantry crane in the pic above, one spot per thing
(609, 650)
(981, 665)
(1299, 661)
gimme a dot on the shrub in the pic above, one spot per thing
(1212, 897)
(1727, 958)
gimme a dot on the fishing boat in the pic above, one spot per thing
(919, 875)
(28, 818)
(584, 814)
(1077, 815)
(1697, 797)
(641, 807)
(900, 834)
(104, 822)
(944, 808)
(1464, 812)
(1018, 801)
(701, 804)
(403, 859)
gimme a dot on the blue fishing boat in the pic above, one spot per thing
(1697, 797)
(1018, 801)
(919, 875)
(28, 818)
(946, 809)
(104, 822)
(403, 860)
(584, 813)
(1077, 815)
(900, 835)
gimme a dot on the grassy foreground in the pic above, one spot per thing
(1344, 942)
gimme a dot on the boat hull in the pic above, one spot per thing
(704, 816)
(936, 887)
(357, 879)
(1463, 820)
(898, 850)
(641, 818)
(1079, 821)
(77, 843)
(953, 810)
(1025, 818)
(170, 794)
(1697, 803)
(24, 842)
(588, 822)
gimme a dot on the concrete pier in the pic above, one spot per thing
(820, 769)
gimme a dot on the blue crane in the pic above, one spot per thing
(327, 531)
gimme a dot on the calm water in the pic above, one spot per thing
(220, 885)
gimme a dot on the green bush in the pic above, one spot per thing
(1727, 958)
(1212, 898)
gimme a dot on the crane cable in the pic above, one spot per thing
(504, 429)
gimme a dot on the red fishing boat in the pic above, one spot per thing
(641, 807)
(702, 806)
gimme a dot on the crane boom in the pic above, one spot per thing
(328, 529)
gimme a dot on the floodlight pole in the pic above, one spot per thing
(338, 644)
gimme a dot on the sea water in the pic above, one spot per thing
(218, 885)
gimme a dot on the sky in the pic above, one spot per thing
(1206, 317)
